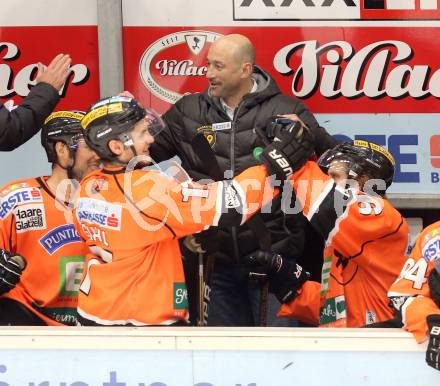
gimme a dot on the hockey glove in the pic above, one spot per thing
(285, 277)
(433, 351)
(434, 286)
(11, 267)
(208, 240)
(290, 149)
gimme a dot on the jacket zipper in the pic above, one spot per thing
(234, 228)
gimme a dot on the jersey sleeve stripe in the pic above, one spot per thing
(331, 211)
(315, 207)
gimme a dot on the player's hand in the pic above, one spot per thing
(285, 277)
(292, 146)
(433, 351)
(11, 267)
(127, 94)
(434, 285)
(208, 240)
(56, 72)
(192, 245)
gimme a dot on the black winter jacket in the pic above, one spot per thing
(22, 123)
(233, 147)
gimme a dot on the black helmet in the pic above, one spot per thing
(61, 126)
(362, 158)
(114, 118)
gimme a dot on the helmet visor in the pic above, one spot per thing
(155, 122)
(338, 164)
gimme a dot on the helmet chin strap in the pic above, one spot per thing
(69, 169)
(127, 140)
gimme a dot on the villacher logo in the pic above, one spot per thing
(336, 9)
(168, 63)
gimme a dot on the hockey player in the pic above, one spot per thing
(366, 239)
(416, 293)
(36, 222)
(132, 218)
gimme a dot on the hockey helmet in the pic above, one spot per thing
(114, 118)
(361, 158)
(61, 126)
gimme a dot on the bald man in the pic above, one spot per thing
(240, 97)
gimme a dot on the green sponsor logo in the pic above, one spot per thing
(64, 315)
(333, 309)
(325, 274)
(180, 296)
(71, 269)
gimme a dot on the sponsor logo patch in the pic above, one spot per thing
(71, 269)
(431, 250)
(99, 212)
(370, 317)
(58, 237)
(180, 298)
(333, 310)
(29, 218)
(12, 187)
(18, 197)
(222, 126)
(231, 197)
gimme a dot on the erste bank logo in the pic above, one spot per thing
(336, 9)
(434, 144)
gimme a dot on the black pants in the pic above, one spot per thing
(234, 301)
(13, 313)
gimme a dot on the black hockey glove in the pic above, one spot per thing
(433, 350)
(291, 147)
(208, 240)
(434, 286)
(11, 267)
(285, 277)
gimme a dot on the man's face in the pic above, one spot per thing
(224, 71)
(142, 139)
(338, 171)
(86, 161)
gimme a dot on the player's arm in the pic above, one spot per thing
(189, 207)
(12, 264)
(298, 296)
(11, 267)
(410, 296)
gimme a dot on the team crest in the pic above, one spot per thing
(209, 134)
(195, 43)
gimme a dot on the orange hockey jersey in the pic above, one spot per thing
(132, 221)
(36, 225)
(410, 293)
(365, 242)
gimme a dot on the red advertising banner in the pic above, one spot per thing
(21, 48)
(332, 69)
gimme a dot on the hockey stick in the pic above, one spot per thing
(255, 223)
(207, 156)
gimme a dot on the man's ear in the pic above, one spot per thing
(116, 146)
(247, 69)
(62, 152)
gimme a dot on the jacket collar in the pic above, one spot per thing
(266, 88)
